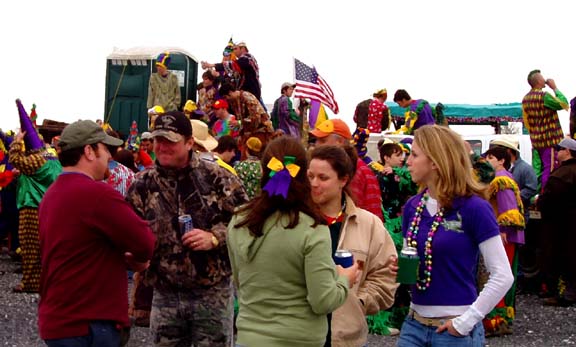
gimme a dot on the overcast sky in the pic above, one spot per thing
(476, 52)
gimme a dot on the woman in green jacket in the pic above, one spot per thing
(281, 257)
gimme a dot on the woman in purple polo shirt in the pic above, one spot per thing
(450, 223)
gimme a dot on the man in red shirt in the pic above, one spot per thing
(364, 186)
(89, 237)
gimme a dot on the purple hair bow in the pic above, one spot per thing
(281, 175)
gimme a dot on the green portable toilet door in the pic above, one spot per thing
(126, 93)
(127, 90)
(186, 70)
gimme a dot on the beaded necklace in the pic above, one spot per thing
(339, 217)
(412, 235)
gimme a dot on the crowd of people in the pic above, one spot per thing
(230, 219)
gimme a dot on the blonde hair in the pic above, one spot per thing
(447, 151)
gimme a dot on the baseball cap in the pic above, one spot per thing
(332, 126)
(287, 85)
(173, 126)
(568, 143)
(220, 104)
(506, 141)
(85, 132)
(146, 136)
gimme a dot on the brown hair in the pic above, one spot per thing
(208, 75)
(387, 149)
(500, 153)
(298, 200)
(342, 160)
(72, 156)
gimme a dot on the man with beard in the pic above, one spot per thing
(89, 236)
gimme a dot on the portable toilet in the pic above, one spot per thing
(128, 72)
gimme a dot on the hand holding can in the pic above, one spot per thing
(347, 267)
(185, 222)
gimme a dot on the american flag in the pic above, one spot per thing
(309, 84)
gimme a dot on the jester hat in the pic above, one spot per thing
(229, 49)
(163, 60)
(32, 140)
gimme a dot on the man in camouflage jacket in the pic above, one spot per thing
(190, 272)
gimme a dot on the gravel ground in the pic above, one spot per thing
(535, 324)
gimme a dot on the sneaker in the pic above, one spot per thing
(394, 331)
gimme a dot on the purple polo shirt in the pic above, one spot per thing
(455, 250)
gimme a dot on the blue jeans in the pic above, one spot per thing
(414, 334)
(102, 334)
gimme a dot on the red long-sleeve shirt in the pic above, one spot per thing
(366, 190)
(85, 229)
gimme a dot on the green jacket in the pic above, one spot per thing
(36, 174)
(286, 282)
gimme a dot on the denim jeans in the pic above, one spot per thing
(102, 334)
(414, 334)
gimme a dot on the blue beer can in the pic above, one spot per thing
(185, 222)
(343, 258)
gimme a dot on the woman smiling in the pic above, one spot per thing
(361, 233)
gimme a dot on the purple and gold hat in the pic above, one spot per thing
(163, 60)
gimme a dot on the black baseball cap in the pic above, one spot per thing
(173, 125)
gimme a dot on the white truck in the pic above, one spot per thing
(479, 143)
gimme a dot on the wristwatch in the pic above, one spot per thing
(215, 241)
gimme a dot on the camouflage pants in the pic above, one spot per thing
(200, 318)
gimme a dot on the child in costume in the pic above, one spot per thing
(507, 204)
(396, 187)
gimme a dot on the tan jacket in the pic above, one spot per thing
(365, 236)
